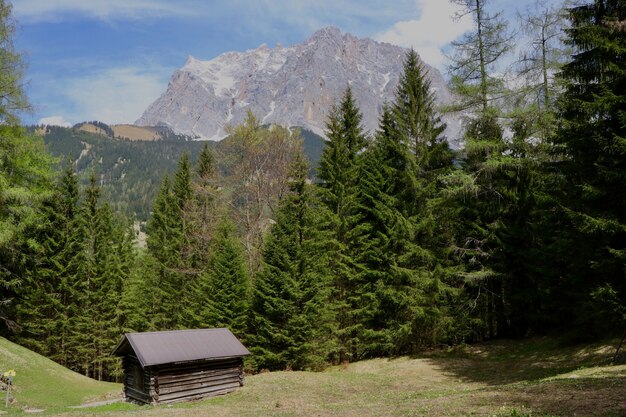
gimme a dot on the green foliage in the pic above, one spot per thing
(291, 322)
(12, 96)
(68, 307)
(170, 246)
(130, 172)
(591, 143)
(477, 56)
(25, 177)
(338, 173)
(398, 247)
(224, 291)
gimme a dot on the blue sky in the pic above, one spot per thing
(109, 59)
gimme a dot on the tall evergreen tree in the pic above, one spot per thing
(291, 322)
(25, 174)
(338, 174)
(226, 286)
(207, 204)
(402, 233)
(47, 294)
(168, 244)
(386, 291)
(419, 123)
(592, 141)
(477, 54)
(106, 265)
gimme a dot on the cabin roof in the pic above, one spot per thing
(178, 346)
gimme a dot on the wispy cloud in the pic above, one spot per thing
(54, 121)
(115, 95)
(431, 32)
(59, 10)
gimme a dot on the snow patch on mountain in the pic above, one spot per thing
(293, 86)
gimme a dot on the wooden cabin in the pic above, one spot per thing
(180, 365)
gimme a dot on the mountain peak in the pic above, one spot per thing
(294, 86)
(326, 32)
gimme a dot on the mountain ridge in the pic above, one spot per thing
(293, 86)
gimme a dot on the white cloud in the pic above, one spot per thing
(115, 95)
(54, 121)
(57, 10)
(428, 35)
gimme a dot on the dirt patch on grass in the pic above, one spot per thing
(133, 132)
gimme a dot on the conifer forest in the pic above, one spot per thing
(392, 244)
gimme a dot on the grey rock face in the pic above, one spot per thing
(293, 86)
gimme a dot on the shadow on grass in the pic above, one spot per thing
(540, 375)
(506, 362)
(562, 397)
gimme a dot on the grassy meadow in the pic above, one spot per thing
(506, 378)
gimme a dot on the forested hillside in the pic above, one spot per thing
(397, 246)
(129, 171)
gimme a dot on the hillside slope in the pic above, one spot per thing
(536, 377)
(42, 383)
(130, 172)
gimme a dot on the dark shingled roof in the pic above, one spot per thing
(176, 346)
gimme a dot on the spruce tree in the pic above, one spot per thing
(338, 174)
(164, 243)
(419, 123)
(401, 233)
(207, 198)
(385, 288)
(291, 322)
(225, 286)
(591, 140)
(170, 244)
(40, 308)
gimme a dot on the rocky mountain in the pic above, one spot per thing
(293, 86)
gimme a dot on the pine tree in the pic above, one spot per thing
(592, 143)
(400, 231)
(397, 262)
(225, 286)
(419, 123)
(48, 301)
(291, 322)
(476, 56)
(12, 96)
(385, 285)
(338, 174)
(207, 198)
(170, 244)
(164, 243)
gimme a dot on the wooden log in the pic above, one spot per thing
(165, 379)
(187, 383)
(202, 392)
(197, 385)
(186, 367)
(199, 397)
(137, 395)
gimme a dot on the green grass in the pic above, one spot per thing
(42, 383)
(534, 378)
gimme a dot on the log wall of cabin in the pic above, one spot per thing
(183, 382)
(137, 380)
